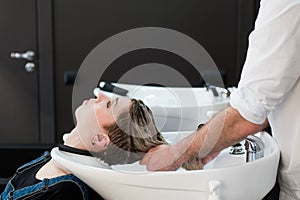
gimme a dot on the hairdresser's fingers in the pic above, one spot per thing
(160, 165)
(148, 155)
(145, 159)
(160, 159)
(173, 167)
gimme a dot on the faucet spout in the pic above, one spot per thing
(218, 93)
(254, 148)
(213, 89)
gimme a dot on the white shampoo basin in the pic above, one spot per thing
(228, 177)
(176, 108)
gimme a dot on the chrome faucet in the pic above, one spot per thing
(254, 148)
(218, 93)
(237, 149)
(213, 89)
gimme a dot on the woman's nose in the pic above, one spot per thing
(101, 97)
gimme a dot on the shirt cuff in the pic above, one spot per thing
(249, 106)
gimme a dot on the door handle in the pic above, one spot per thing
(29, 67)
(28, 55)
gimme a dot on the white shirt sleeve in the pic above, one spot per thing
(272, 65)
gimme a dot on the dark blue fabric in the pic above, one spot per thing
(11, 193)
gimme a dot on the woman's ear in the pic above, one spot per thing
(100, 141)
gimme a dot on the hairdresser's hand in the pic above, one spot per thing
(162, 158)
(209, 157)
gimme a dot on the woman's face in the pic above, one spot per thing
(94, 114)
(103, 109)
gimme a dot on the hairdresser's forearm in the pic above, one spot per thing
(225, 129)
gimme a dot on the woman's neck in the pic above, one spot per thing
(74, 140)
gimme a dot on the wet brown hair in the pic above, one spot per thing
(132, 135)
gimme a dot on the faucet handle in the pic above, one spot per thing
(254, 148)
(237, 149)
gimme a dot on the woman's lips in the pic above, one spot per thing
(86, 101)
